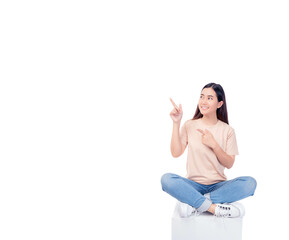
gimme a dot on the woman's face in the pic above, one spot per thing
(208, 102)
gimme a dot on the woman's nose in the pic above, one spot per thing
(204, 101)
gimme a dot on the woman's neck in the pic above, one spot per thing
(210, 120)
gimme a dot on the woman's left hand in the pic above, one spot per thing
(208, 138)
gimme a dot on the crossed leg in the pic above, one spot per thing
(231, 191)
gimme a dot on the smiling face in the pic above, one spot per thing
(208, 102)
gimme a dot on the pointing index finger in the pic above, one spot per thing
(201, 131)
(174, 104)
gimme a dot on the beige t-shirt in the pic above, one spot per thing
(203, 165)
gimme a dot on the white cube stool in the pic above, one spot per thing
(205, 227)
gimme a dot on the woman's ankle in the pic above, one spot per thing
(212, 208)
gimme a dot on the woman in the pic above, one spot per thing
(212, 147)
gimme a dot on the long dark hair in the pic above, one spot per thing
(222, 113)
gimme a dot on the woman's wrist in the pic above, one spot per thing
(177, 124)
(215, 146)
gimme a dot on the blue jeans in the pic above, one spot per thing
(192, 193)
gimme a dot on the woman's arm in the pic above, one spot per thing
(225, 159)
(209, 140)
(177, 148)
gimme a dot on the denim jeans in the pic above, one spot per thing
(192, 193)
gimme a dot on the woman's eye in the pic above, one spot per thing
(208, 98)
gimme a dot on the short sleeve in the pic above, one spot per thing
(231, 146)
(184, 134)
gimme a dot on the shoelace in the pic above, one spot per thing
(223, 211)
(196, 213)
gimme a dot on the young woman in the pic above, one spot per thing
(212, 147)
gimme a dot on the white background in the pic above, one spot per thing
(84, 111)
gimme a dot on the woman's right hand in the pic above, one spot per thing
(177, 113)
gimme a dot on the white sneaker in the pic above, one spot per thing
(186, 210)
(231, 210)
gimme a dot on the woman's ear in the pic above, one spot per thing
(220, 104)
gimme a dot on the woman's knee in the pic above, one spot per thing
(251, 184)
(166, 180)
